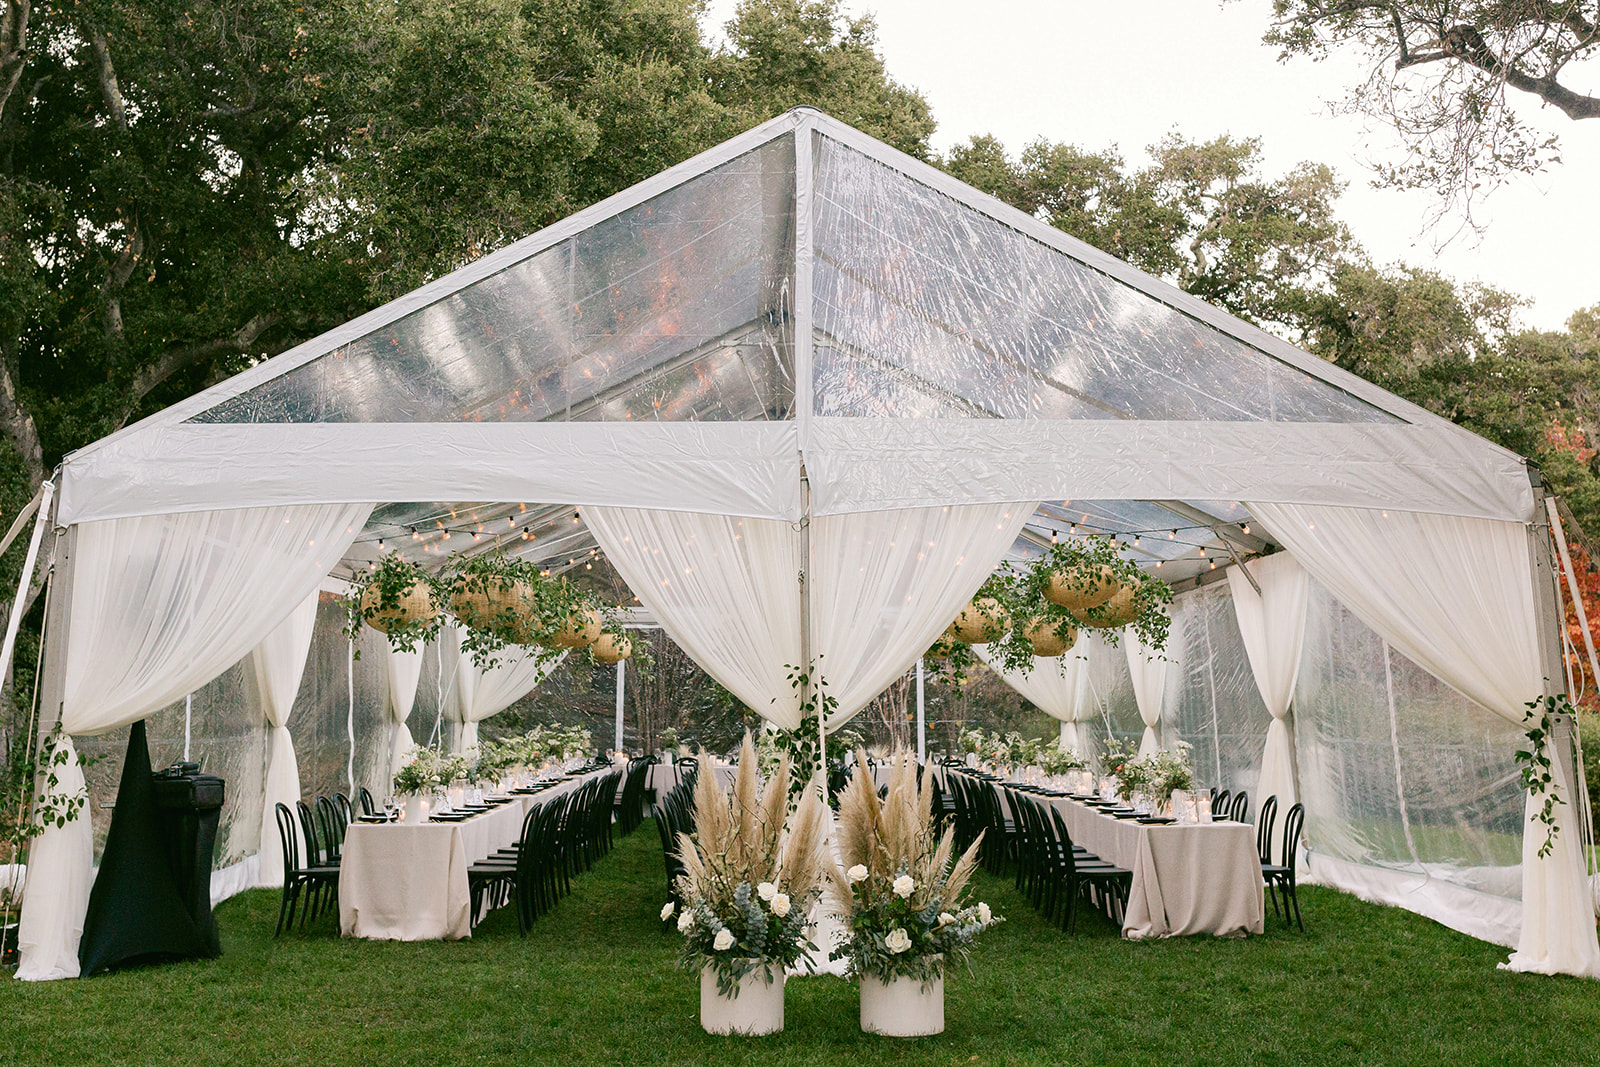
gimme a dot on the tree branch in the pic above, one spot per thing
(13, 47)
(17, 425)
(1468, 45)
(174, 360)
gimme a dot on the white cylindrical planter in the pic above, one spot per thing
(903, 1007)
(758, 1009)
(416, 810)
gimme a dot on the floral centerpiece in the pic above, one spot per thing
(1054, 760)
(427, 771)
(902, 897)
(748, 884)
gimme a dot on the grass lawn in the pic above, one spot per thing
(595, 983)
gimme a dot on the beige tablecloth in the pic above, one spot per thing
(409, 883)
(1186, 879)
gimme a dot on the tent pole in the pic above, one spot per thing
(922, 719)
(53, 686)
(812, 688)
(622, 665)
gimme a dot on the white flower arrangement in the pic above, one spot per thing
(901, 899)
(748, 881)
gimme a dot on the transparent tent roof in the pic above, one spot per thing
(799, 266)
(681, 308)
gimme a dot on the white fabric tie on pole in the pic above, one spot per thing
(1273, 626)
(884, 584)
(1148, 669)
(1456, 596)
(162, 604)
(280, 663)
(403, 671)
(479, 693)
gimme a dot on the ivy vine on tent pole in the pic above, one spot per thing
(1536, 766)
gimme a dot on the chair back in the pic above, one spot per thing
(331, 827)
(308, 834)
(1264, 820)
(289, 841)
(368, 807)
(1219, 803)
(342, 802)
(1241, 806)
(1293, 823)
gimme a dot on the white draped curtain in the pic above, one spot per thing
(403, 671)
(1272, 623)
(160, 605)
(280, 662)
(478, 693)
(1148, 669)
(725, 589)
(884, 584)
(1057, 686)
(1456, 595)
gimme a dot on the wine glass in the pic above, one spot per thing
(391, 805)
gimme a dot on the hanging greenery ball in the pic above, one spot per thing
(1082, 586)
(581, 628)
(1122, 608)
(981, 621)
(1045, 636)
(612, 648)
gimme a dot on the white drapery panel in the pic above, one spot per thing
(885, 583)
(56, 898)
(1456, 595)
(1057, 686)
(479, 693)
(280, 662)
(161, 604)
(1273, 626)
(1148, 669)
(725, 589)
(402, 670)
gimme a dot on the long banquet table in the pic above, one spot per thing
(409, 883)
(1187, 879)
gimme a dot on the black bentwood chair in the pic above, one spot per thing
(1280, 876)
(312, 880)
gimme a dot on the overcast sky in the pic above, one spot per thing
(1096, 74)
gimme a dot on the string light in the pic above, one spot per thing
(574, 516)
(1246, 527)
(1172, 536)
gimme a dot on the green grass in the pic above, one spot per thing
(595, 983)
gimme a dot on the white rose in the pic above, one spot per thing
(685, 921)
(667, 910)
(723, 941)
(766, 891)
(897, 941)
(858, 873)
(985, 916)
(904, 886)
(945, 918)
(780, 905)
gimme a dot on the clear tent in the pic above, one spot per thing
(805, 299)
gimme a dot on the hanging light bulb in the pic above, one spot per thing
(1172, 536)
(1213, 564)
(380, 544)
(1135, 540)
(1246, 527)
(588, 566)
(574, 516)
